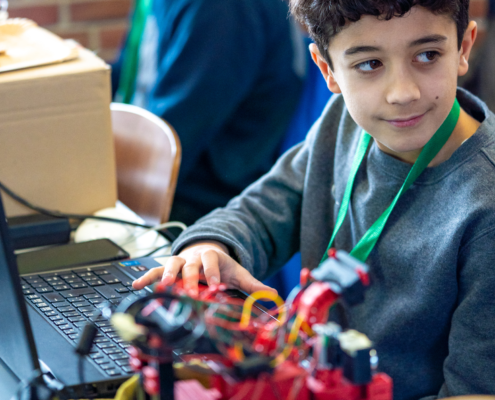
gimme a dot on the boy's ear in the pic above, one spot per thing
(324, 68)
(466, 46)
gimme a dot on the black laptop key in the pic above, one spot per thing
(92, 296)
(76, 319)
(41, 304)
(97, 319)
(70, 332)
(81, 324)
(118, 356)
(35, 281)
(61, 304)
(65, 308)
(80, 304)
(55, 317)
(86, 309)
(102, 340)
(102, 360)
(74, 280)
(111, 350)
(106, 345)
(74, 336)
(50, 313)
(28, 291)
(60, 322)
(46, 309)
(40, 284)
(96, 355)
(68, 276)
(122, 363)
(97, 282)
(113, 371)
(44, 289)
(101, 271)
(71, 314)
(51, 279)
(65, 326)
(127, 370)
(110, 278)
(78, 285)
(92, 314)
(85, 274)
(37, 301)
(30, 277)
(32, 296)
(76, 292)
(74, 299)
(108, 292)
(61, 287)
(53, 297)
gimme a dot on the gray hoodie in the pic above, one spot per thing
(430, 310)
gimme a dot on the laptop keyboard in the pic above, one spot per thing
(69, 299)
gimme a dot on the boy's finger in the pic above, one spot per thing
(148, 278)
(172, 268)
(246, 282)
(210, 266)
(190, 276)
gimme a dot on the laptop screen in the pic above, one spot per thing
(17, 348)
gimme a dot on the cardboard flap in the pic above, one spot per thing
(23, 44)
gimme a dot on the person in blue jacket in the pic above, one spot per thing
(227, 75)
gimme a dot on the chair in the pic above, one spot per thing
(148, 156)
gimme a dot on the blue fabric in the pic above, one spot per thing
(225, 80)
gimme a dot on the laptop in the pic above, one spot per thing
(42, 315)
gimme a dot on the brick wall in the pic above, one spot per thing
(97, 24)
(100, 24)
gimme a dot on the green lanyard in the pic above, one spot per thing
(363, 248)
(127, 81)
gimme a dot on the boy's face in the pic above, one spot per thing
(398, 77)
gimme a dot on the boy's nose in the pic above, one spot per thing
(402, 88)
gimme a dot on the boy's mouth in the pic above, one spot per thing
(406, 122)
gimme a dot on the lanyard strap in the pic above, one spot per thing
(127, 81)
(363, 248)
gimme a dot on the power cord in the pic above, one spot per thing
(57, 214)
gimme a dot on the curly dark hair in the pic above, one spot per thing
(325, 18)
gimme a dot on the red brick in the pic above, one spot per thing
(42, 15)
(80, 37)
(111, 38)
(101, 9)
(478, 8)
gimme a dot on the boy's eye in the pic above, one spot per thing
(427, 56)
(368, 65)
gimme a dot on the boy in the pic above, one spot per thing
(429, 310)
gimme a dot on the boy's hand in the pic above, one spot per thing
(210, 257)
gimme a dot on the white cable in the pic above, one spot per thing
(165, 225)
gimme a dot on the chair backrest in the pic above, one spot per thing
(148, 155)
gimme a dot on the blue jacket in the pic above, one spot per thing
(223, 74)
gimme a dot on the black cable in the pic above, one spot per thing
(57, 214)
(80, 371)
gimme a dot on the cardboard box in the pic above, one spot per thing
(56, 145)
